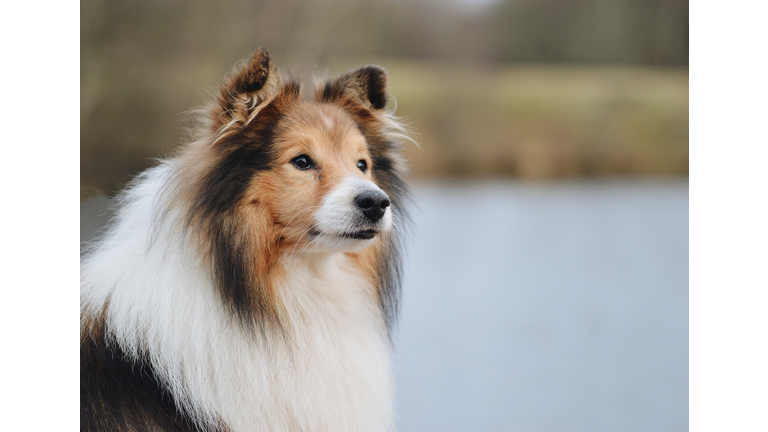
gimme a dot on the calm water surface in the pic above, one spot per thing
(544, 307)
(547, 307)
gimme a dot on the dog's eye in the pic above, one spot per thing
(302, 162)
(362, 165)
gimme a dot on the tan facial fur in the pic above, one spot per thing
(292, 196)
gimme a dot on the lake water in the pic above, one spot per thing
(541, 307)
(547, 307)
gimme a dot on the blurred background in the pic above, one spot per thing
(547, 283)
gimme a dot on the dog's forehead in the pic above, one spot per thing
(322, 124)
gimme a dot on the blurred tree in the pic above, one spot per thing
(591, 31)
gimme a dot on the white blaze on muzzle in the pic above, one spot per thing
(352, 215)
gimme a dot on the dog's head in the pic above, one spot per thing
(272, 173)
(321, 189)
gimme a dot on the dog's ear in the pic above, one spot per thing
(251, 86)
(367, 85)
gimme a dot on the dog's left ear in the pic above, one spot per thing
(251, 86)
(367, 85)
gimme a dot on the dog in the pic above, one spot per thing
(250, 282)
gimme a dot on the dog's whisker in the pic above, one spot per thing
(302, 212)
(306, 231)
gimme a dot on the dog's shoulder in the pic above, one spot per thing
(119, 394)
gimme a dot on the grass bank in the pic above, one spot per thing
(543, 122)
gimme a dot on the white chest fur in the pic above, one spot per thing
(333, 372)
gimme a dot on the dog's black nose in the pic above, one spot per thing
(373, 204)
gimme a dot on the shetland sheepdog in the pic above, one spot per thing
(250, 282)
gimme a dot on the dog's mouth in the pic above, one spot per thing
(366, 234)
(361, 235)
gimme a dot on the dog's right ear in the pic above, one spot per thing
(367, 85)
(250, 87)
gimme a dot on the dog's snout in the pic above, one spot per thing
(373, 204)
